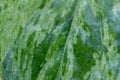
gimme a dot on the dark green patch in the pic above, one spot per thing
(42, 4)
(5, 6)
(39, 55)
(83, 59)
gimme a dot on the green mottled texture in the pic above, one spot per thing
(60, 39)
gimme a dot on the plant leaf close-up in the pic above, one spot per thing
(59, 39)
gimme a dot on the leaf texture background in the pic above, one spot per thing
(60, 39)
